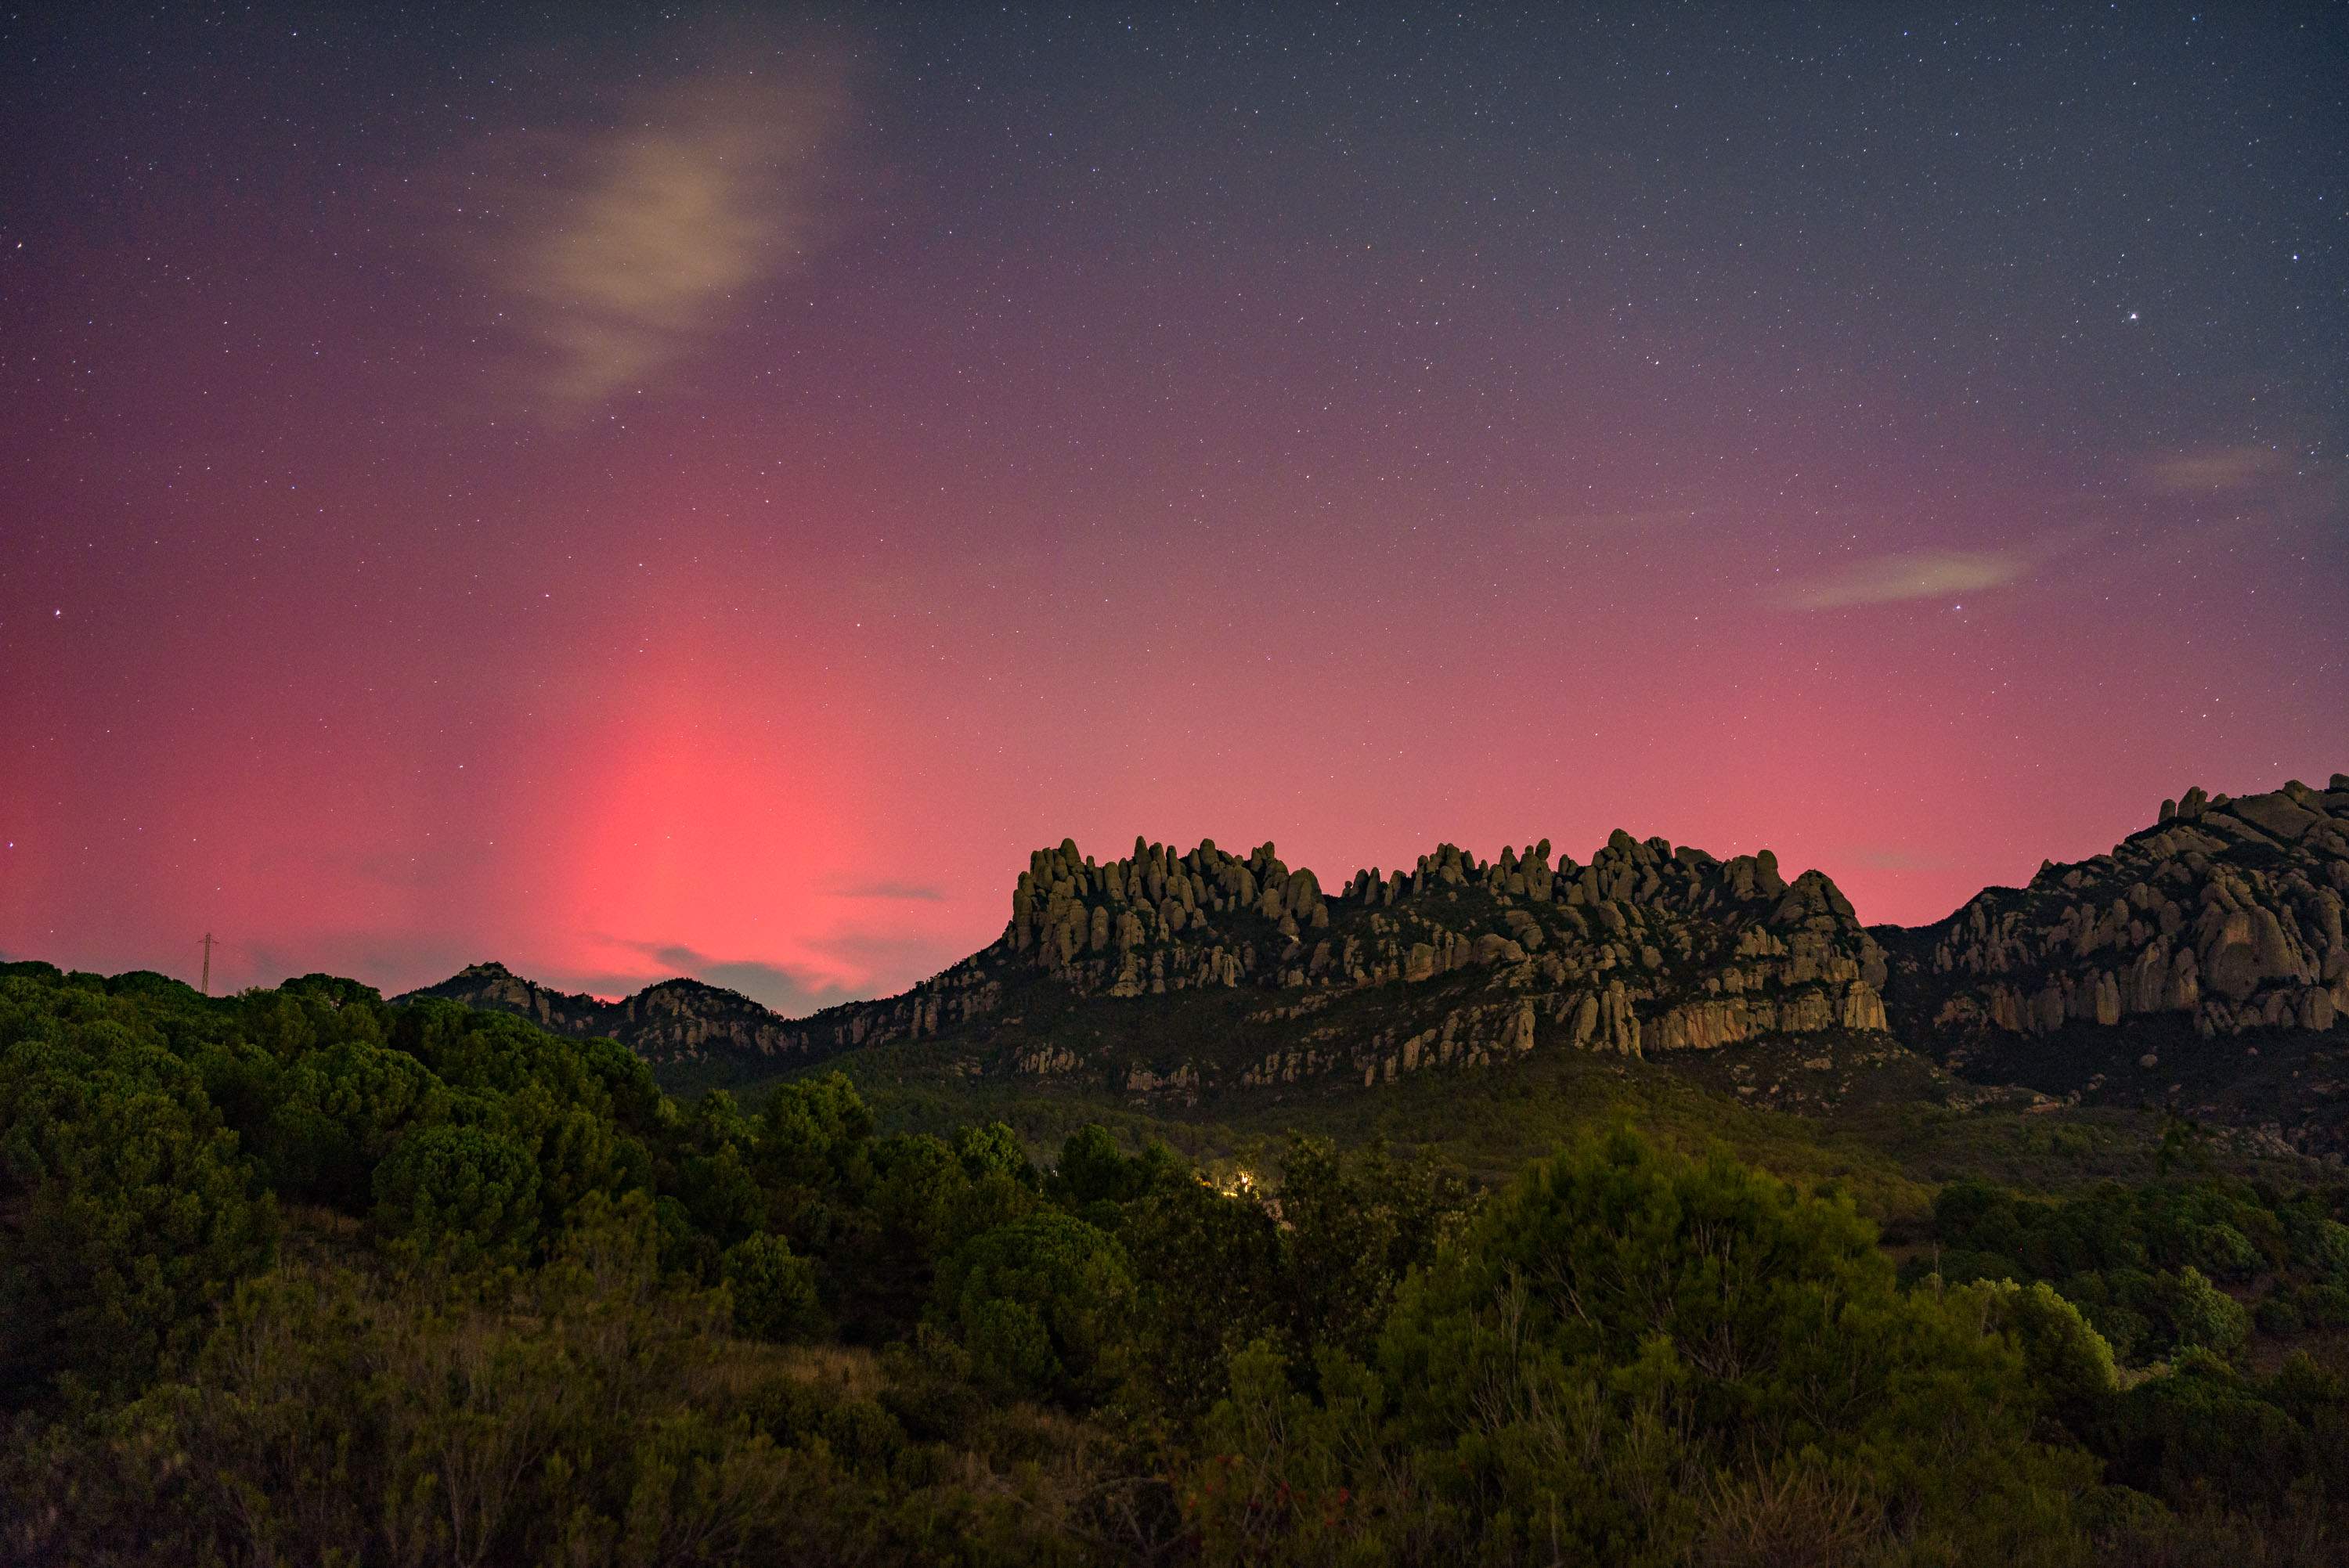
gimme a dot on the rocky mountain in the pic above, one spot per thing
(2200, 967)
(2226, 914)
(1179, 975)
(1646, 948)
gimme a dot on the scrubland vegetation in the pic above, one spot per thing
(301, 1277)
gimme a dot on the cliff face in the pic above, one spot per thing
(1646, 947)
(2226, 912)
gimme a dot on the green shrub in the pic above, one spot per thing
(2324, 1306)
(1041, 1302)
(2278, 1314)
(2068, 1363)
(774, 1292)
(2200, 1314)
(459, 1191)
(1676, 1329)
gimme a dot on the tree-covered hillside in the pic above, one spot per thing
(300, 1276)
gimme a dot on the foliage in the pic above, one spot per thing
(2157, 1268)
(1623, 1355)
(462, 1192)
(774, 1291)
(302, 1276)
(1040, 1303)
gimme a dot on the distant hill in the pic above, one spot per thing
(677, 1020)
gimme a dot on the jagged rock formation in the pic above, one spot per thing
(677, 1020)
(1457, 961)
(1646, 948)
(2226, 912)
(1178, 975)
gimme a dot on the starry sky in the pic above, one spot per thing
(628, 493)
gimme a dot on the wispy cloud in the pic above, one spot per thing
(893, 890)
(619, 253)
(2215, 468)
(895, 959)
(1910, 574)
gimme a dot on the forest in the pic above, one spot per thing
(300, 1276)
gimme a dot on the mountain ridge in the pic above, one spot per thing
(1188, 974)
(1731, 946)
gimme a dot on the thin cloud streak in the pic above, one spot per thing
(2213, 467)
(911, 892)
(1910, 574)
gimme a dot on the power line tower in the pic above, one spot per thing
(208, 963)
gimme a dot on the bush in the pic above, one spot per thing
(2278, 1314)
(2141, 1262)
(466, 1191)
(1040, 1303)
(774, 1292)
(341, 1111)
(993, 1150)
(2200, 1314)
(2201, 1434)
(2225, 1252)
(1621, 1335)
(2319, 1244)
(2324, 1306)
(2068, 1363)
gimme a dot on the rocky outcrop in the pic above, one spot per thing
(1457, 961)
(1629, 937)
(2226, 912)
(1178, 975)
(1647, 947)
(500, 989)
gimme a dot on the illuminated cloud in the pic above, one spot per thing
(1910, 574)
(892, 952)
(619, 253)
(2213, 467)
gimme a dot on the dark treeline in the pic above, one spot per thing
(301, 1277)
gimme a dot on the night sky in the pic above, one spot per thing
(709, 495)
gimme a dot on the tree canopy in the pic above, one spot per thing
(303, 1275)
